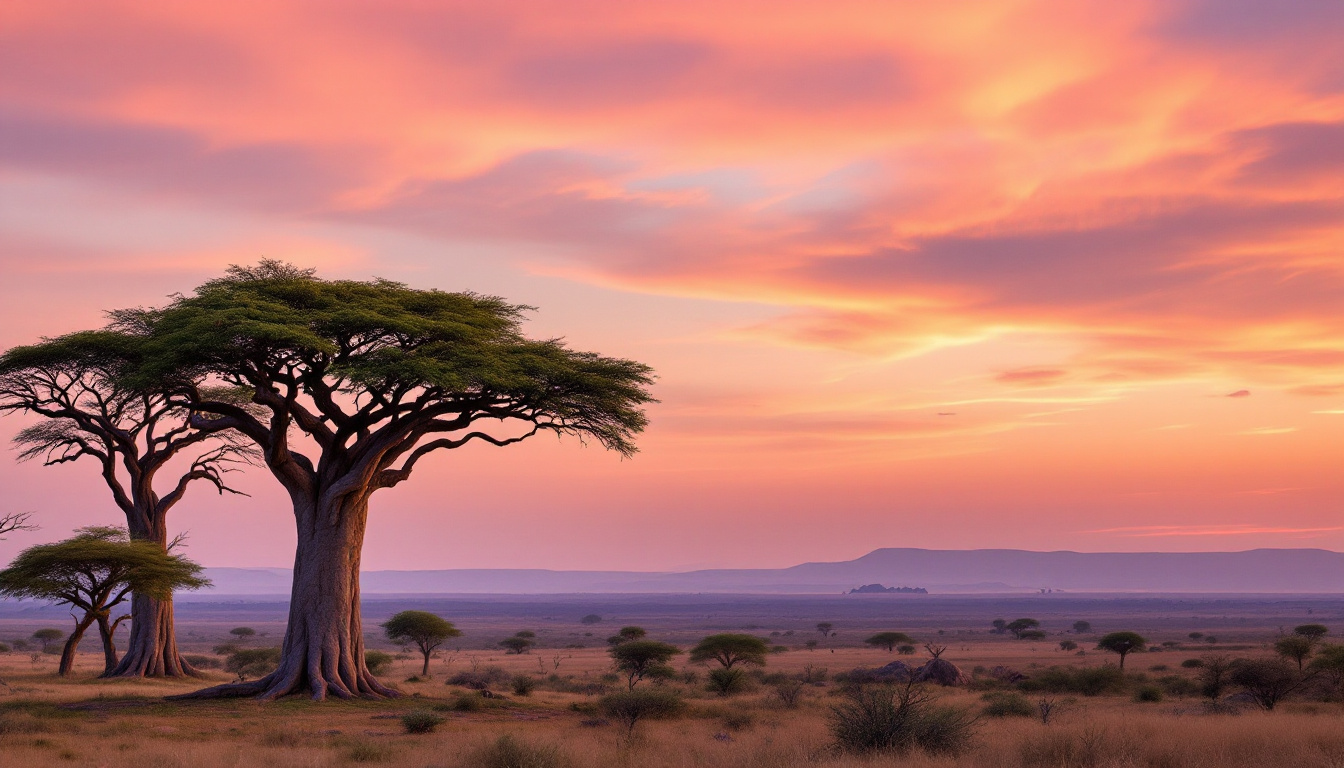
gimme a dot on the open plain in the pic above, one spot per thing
(83, 721)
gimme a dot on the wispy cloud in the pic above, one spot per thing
(1157, 531)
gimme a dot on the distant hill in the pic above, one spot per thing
(975, 571)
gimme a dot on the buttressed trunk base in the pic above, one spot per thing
(323, 651)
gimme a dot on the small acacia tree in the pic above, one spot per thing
(95, 571)
(1082, 627)
(1296, 648)
(729, 649)
(640, 658)
(825, 627)
(518, 644)
(1313, 632)
(888, 640)
(1020, 627)
(1122, 643)
(78, 385)
(626, 635)
(352, 384)
(424, 629)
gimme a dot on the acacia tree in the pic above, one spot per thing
(77, 384)
(423, 628)
(888, 640)
(729, 648)
(95, 571)
(640, 658)
(1122, 643)
(374, 376)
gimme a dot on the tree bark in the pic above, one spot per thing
(323, 650)
(109, 647)
(152, 649)
(72, 645)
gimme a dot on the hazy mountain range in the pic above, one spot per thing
(939, 571)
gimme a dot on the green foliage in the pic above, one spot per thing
(888, 719)
(201, 661)
(1087, 681)
(1192, 663)
(1313, 632)
(1007, 704)
(1018, 627)
(888, 640)
(99, 564)
(626, 635)
(378, 662)
(1067, 645)
(421, 721)
(508, 752)
(4, 648)
(422, 628)
(1082, 627)
(1295, 648)
(249, 663)
(591, 618)
(517, 644)
(906, 650)
(729, 649)
(637, 659)
(523, 685)
(242, 633)
(1148, 693)
(47, 635)
(1122, 643)
(1266, 681)
(630, 707)
(726, 681)
(1329, 662)
(1215, 675)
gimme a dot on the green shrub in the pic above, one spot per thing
(1192, 663)
(201, 661)
(252, 662)
(523, 685)
(727, 681)
(738, 720)
(508, 752)
(1007, 704)
(378, 662)
(1175, 685)
(368, 752)
(630, 707)
(480, 679)
(1088, 681)
(467, 702)
(4, 648)
(1148, 693)
(421, 721)
(888, 719)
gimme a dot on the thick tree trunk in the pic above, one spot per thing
(109, 646)
(152, 651)
(323, 651)
(72, 645)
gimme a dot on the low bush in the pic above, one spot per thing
(249, 663)
(1007, 704)
(378, 662)
(1192, 663)
(480, 679)
(421, 721)
(1087, 681)
(630, 707)
(897, 719)
(726, 682)
(523, 685)
(1148, 693)
(508, 752)
(201, 661)
(788, 692)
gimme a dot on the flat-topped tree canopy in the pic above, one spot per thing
(78, 384)
(376, 375)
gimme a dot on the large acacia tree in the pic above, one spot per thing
(357, 382)
(77, 385)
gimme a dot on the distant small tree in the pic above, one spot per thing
(1020, 626)
(729, 649)
(1266, 681)
(591, 618)
(1296, 648)
(630, 707)
(422, 628)
(248, 663)
(1032, 634)
(1122, 643)
(1196, 636)
(1082, 627)
(47, 636)
(626, 635)
(639, 658)
(825, 628)
(1313, 632)
(906, 650)
(1067, 645)
(888, 640)
(95, 571)
(517, 645)
(811, 645)
(1329, 662)
(243, 633)
(1215, 671)
(529, 634)
(1000, 627)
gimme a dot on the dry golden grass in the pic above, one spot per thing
(82, 721)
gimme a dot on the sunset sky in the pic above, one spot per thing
(1040, 275)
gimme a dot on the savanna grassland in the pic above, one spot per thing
(83, 721)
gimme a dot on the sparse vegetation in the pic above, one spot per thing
(422, 629)
(884, 718)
